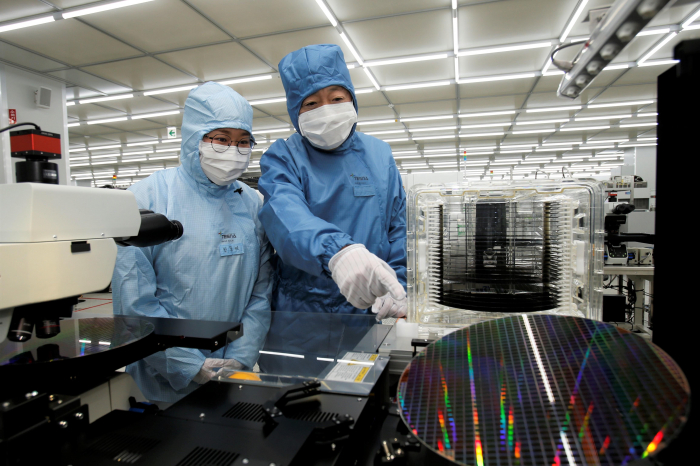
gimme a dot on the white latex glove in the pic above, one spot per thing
(212, 365)
(386, 306)
(363, 277)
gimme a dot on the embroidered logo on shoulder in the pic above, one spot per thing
(359, 178)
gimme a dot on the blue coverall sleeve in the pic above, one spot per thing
(256, 316)
(134, 293)
(397, 226)
(299, 237)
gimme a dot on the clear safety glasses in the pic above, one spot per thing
(221, 143)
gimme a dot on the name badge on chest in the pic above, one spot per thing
(230, 249)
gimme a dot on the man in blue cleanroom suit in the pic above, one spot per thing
(335, 206)
(220, 269)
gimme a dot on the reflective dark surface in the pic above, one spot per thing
(77, 337)
(544, 390)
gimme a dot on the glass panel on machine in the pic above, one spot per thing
(73, 338)
(340, 350)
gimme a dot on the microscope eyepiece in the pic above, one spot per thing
(155, 229)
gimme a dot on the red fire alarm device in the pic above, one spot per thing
(13, 116)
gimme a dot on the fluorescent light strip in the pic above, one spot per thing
(534, 131)
(126, 154)
(71, 125)
(395, 140)
(364, 91)
(582, 4)
(392, 61)
(164, 157)
(617, 66)
(376, 122)
(106, 120)
(478, 135)
(97, 9)
(24, 24)
(503, 77)
(416, 86)
(606, 141)
(438, 128)
(560, 143)
(507, 48)
(245, 80)
(553, 109)
(659, 62)
(267, 101)
(656, 48)
(586, 128)
(441, 117)
(448, 149)
(272, 130)
(638, 125)
(142, 143)
(519, 146)
(486, 114)
(455, 32)
(106, 156)
(422, 138)
(408, 157)
(588, 146)
(393, 131)
(83, 149)
(153, 115)
(487, 125)
(172, 89)
(607, 117)
(690, 20)
(372, 79)
(111, 146)
(105, 99)
(357, 56)
(517, 151)
(478, 153)
(542, 122)
(477, 148)
(557, 149)
(322, 5)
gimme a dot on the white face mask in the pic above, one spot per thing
(222, 168)
(329, 126)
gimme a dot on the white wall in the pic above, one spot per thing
(17, 92)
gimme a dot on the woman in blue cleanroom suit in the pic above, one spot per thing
(220, 269)
(334, 207)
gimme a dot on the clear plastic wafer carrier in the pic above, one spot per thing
(488, 249)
